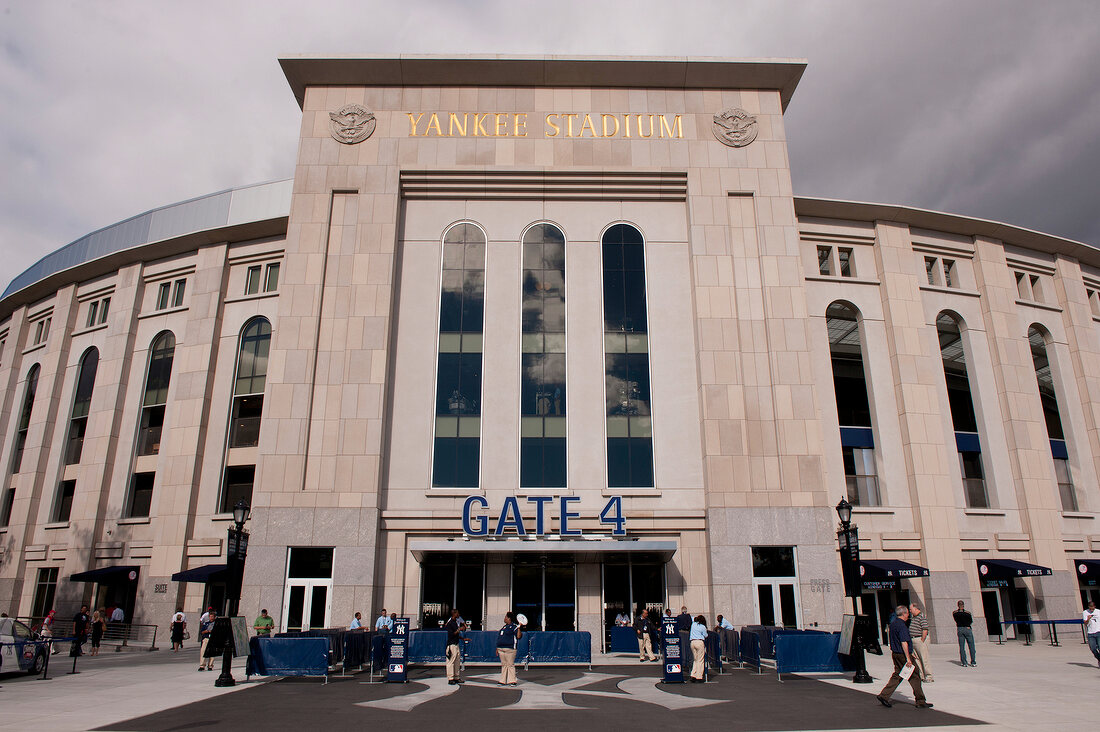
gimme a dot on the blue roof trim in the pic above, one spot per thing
(857, 437)
(225, 208)
(968, 442)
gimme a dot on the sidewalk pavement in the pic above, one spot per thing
(1013, 687)
(109, 689)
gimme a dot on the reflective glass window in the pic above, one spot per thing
(626, 360)
(457, 447)
(542, 378)
(24, 420)
(85, 382)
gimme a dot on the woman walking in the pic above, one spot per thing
(507, 642)
(179, 625)
(98, 626)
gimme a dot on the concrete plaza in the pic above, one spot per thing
(1014, 687)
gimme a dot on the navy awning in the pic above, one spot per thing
(104, 574)
(1088, 570)
(1009, 569)
(205, 573)
(889, 569)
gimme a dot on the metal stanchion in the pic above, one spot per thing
(46, 663)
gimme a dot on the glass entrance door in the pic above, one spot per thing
(307, 597)
(307, 605)
(776, 603)
(547, 594)
(775, 586)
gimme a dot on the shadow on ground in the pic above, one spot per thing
(611, 697)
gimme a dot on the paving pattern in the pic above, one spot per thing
(607, 698)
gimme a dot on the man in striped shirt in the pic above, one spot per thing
(919, 630)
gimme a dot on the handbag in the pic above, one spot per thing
(187, 635)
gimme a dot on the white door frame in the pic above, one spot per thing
(307, 600)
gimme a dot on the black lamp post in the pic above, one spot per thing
(848, 537)
(236, 550)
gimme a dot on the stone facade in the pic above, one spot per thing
(746, 447)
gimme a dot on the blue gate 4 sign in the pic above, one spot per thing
(674, 657)
(477, 520)
(397, 669)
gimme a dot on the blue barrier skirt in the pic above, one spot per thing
(430, 646)
(288, 656)
(807, 652)
(623, 640)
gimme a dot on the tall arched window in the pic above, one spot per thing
(25, 419)
(156, 393)
(20, 441)
(456, 458)
(1059, 451)
(157, 380)
(542, 376)
(78, 422)
(964, 421)
(248, 387)
(853, 409)
(626, 360)
(248, 402)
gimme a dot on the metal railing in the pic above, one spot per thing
(119, 635)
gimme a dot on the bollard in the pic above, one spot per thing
(75, 651)
(46, 662)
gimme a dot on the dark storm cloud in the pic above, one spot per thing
(980, 108)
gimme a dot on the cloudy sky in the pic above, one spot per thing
(987, 109)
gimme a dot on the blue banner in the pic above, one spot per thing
(398, 665)
(674, 655)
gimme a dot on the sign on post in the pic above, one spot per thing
(397, 668)
(674, 656)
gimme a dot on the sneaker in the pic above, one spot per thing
(452, 682)
(201, 668)
(930, 680)
(926, 705)
(884, 701)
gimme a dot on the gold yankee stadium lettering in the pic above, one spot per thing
(564, 124)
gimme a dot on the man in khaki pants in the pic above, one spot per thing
(455, 627)
(919, 630)
(205, 627)
(644, 629)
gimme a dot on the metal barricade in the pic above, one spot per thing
(130, 636)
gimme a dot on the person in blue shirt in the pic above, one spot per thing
(356, 622)
(698, 638)
(507, 642)
(901, 648)
(384, 623)
(724, 623)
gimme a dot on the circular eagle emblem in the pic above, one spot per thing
(735, 127)
(351, 124)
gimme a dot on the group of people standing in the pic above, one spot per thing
(696, 627)
(83, 626)
(507, 643)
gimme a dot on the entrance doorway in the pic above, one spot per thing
(1003, 604)
(632, 586)
(880, 606)
(307, 600)
(546, 592)
(447, 583)
(775, 586)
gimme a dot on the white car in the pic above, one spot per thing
(18, 651)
